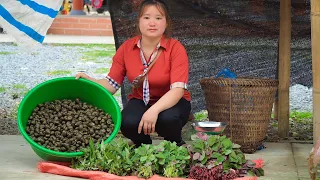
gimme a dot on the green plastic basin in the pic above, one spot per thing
(66, 88)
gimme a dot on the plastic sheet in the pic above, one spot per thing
(63, 169)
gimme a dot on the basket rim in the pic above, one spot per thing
(246, 81)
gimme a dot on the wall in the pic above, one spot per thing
(81, 25)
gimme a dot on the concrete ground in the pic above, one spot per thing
(283, 161)
(61, 39)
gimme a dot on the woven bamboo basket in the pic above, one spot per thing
(245, 104)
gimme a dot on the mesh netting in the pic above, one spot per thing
(239, 35)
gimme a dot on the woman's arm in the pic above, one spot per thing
(103, 82)
(168, 100)
(116, 74)
(149, 118)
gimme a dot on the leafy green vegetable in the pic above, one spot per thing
(119, 158)
(114, 157)
(211, 154)
(166, 158)
(214, 151)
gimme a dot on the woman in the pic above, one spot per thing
(157, 66)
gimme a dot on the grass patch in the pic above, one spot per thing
(96, 55)
(19, 94)
(274, 124)
(108, 46)
(295, 115)
(21, 90)
(99, 53)
(23, 93)
(59, 72)
(102, 70)
(2, 89)
(19, 86)
(298, 116)
(200, 116)
(301, 115)
(5, 53)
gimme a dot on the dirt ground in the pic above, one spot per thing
(8, 126)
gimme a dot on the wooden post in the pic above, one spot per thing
(315, 40)
(276, 109)
(284, 67)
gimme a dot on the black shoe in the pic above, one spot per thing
(139, 143)
(181, 143)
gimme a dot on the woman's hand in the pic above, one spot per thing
(103, 82)
(83, 75)
(148, 122)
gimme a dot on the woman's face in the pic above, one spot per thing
(152, 23)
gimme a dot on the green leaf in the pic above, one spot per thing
(220, 159)
(233, 154)
(161, 161)
(143, 158)
(260, 172)
(215, 155)
(251, 173)
(198, 145)
(227, 144)
(141, 150)
(216, 147)
(233, 157)
(221, 138)
(152, 157)
(204, 160)
(160, 155)
(182, 149)
(236, 166)
(227, 152)
(179, 157)
(241, 158)
(226, 165)
(212, 140)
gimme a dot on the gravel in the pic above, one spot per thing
(22, 69)
(300, 98)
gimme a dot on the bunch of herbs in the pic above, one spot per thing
(219, 153)
(114, 157)
(117, 157)
(166, 159)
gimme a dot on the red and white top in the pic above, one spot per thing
(171, 69)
